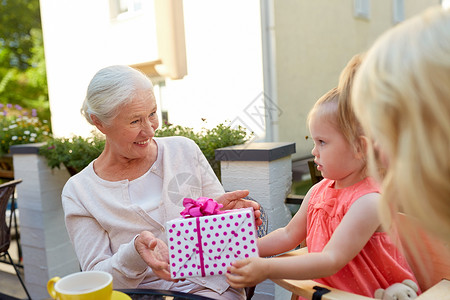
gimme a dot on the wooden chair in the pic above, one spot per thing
(6, 193)
(316, 175)
(429, 259)
(6, 167)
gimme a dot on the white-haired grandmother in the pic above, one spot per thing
(115, 209)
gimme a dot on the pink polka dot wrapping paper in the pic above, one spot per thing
(206, 246)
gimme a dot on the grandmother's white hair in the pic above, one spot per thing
(109, 89)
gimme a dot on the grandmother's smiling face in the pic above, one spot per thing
(132, 130)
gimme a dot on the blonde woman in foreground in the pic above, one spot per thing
(401, 95)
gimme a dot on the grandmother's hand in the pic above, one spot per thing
(155, 254)
(233, 200)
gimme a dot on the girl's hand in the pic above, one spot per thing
(247, 272)
(233, 200)
(155, 254)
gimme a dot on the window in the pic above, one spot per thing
(121, 9)
(361, 9)
(398, 11)
(129, 6)
(445, 4)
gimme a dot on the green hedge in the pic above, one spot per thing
(76, 152)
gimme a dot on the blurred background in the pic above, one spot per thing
(260, 65)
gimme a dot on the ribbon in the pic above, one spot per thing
(200, 250)
(203, 206)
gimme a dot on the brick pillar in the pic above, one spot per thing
(46, 248)
(265, 169)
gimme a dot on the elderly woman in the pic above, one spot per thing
(115, 209)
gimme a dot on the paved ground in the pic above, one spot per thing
(9, 283)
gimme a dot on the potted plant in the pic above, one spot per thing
(209, 140)
(19, 126)
(76, 152)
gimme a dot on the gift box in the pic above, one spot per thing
(206, 245)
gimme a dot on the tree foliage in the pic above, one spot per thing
(17, 18)
(23, 78)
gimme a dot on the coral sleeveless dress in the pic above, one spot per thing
(378, 265)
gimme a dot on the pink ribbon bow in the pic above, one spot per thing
(203, 206)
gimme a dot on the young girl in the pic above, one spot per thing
(347, 248)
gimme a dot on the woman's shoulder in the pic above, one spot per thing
(85, 176)
(174, 140)
(175, 143)
(85, 172)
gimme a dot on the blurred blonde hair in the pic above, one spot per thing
(402, 97)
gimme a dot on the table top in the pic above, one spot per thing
(151, 294)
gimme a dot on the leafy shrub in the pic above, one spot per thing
(21, 126)
(209, 140)
(77, 152)
(74, 153)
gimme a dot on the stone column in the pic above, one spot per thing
(265, 169)
(46, 248)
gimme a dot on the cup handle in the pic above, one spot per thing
(51, 287)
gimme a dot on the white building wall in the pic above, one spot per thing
(223, 44)
(314, 42)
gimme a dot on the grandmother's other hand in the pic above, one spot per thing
(155, 254)
(233, 200)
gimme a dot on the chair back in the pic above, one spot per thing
(6, 193)
(262, 229)
(428, 256)
(316, 175)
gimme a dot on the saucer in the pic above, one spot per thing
(116, 295)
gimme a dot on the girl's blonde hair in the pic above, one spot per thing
(338, 106)
(350, 126)
(326, 106)
(402, 97)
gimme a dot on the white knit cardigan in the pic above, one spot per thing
(102, 222)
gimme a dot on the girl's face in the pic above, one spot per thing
(335, 157)
(131, 132)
